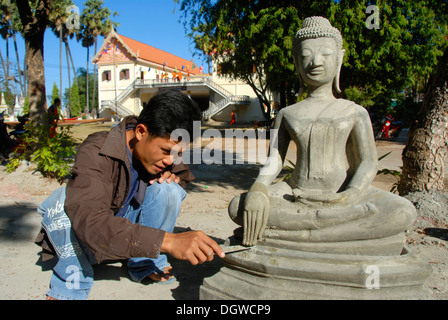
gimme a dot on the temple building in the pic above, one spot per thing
(131, 72)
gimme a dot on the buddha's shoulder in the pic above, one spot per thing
(352, 105)
(305, 104)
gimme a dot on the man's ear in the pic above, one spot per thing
(141, 131)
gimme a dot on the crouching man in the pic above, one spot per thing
(122, 202)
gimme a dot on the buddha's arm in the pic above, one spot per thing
(279, 146)
(256, 204)
(364, 143)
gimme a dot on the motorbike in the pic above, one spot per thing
(389, 128)
(7, 144)
(19, 129)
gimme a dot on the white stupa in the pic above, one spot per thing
(3, 105)
(18, 108)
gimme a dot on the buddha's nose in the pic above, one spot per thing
(317, 60)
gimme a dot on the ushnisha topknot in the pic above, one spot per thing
(318, 27)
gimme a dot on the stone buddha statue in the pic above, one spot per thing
(327, 233)
(329, 196)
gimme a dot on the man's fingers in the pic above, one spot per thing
(165, 177)
(197, 247)
(212, 248)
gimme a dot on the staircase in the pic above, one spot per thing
(121, 110)
(224, 103)
(226, 98)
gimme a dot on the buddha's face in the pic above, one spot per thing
(318, 61)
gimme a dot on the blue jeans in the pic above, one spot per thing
(72, 277)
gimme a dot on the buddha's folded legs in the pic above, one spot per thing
(377, 214)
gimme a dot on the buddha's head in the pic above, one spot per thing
(318, 53)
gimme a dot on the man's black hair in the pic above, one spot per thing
(168, 111)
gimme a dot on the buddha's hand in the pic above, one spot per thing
(256, 212)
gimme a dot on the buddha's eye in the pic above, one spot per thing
(327, 52)
(306, 53)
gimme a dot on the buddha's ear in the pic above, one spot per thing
(301, 85)
(338, 74)
(295, 55)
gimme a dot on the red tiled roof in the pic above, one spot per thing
(151, 54)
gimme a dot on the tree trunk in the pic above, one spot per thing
(36, 78)
(34, 24)
(21, 82)
(67, 47)
(87, 109)
(94, 106)
(71, 59)
(69, 80)
(425, 152)
(7, 63)
(60, 63)
(3, 64)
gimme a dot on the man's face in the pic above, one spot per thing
(155, 153)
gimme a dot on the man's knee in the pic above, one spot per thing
(167, 191)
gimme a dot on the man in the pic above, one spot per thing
(53, 116)
(123, 200)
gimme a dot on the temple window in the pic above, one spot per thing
(124, 74)
(107, 76)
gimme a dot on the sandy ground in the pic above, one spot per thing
(25, 276)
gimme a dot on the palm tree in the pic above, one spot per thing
(59, 18)
(95, 21)
(9, 26)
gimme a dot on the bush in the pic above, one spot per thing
(51, 155)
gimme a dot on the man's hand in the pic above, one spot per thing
(166, 176)
(193, 246)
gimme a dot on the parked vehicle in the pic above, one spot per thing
(7, 144)
(389, 128)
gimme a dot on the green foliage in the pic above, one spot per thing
(77, 93)
(9, 97)
(401, 54)
(81, 80)
(289, 169)
(54, 93)
(95, 21)
(253, 41)
(406, 110)
(361, 96)
(26, 106)
(75, 108)
(51, 155)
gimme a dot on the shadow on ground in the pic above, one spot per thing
(189, 277)
(16, 224)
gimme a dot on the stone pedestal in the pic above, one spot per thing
(270, 273)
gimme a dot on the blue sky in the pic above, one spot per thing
(149, 21)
